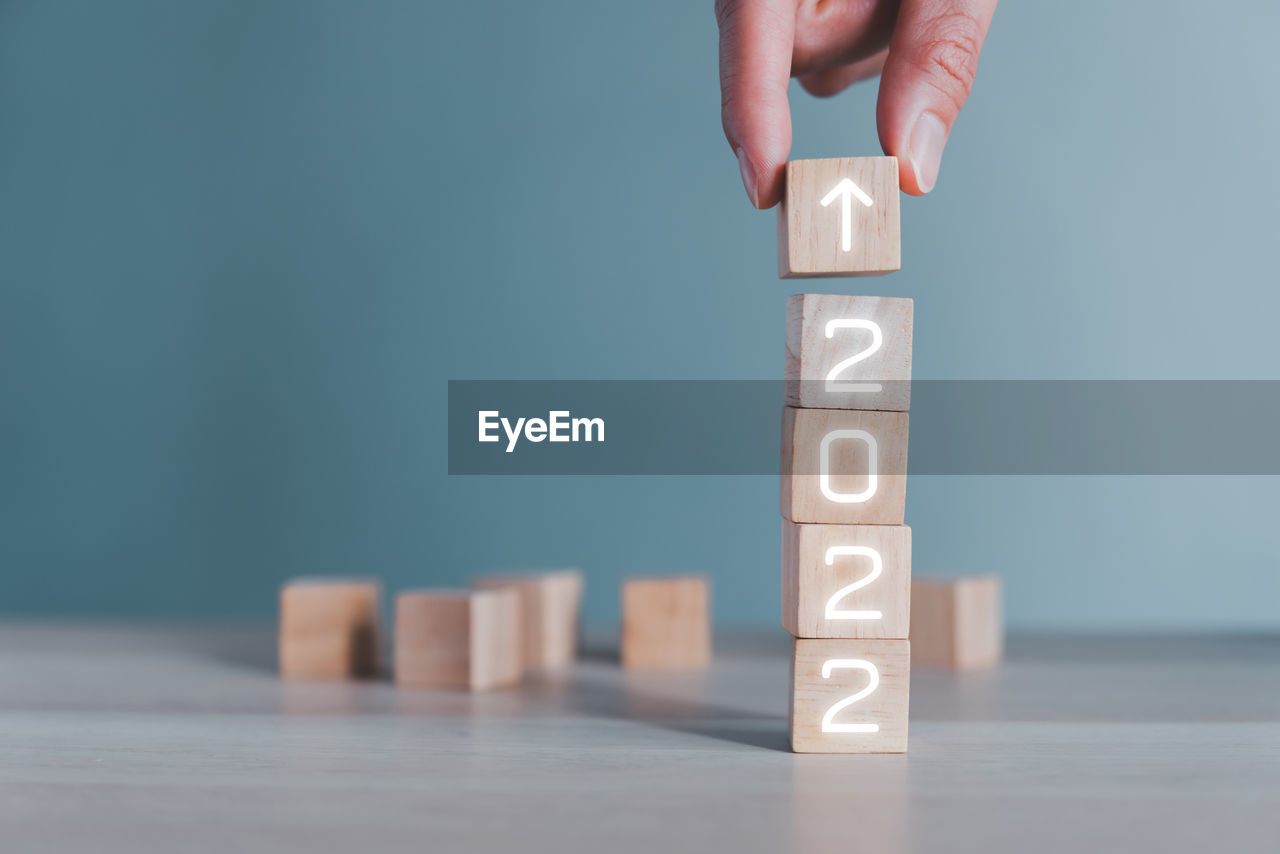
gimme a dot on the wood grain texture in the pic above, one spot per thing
(813, 695)
(156, 738)
(549, 603)
(329, 628)
(957, 623)
(666, 623)
(803, 500)
(810, 242)
(812, 354)
(467, 639)
(809, 582)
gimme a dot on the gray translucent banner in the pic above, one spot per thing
(733, 427)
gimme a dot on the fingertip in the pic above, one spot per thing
(920, 160)
(763, 184)
(927, 142)
(912, 132)
(762, 163)
(769, 185)
(749, 182)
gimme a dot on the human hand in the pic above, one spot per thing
(926, 52)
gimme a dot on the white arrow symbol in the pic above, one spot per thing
(845, 191)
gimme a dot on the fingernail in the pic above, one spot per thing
(748, 176)
(928, 138)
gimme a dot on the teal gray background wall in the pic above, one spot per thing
(244, 245)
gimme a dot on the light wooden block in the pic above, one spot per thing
(957, 623)
(846, 581)
(812, 235)
(549, 603)
(466, 639)
(844, 467)
(329, 628)
(666, 623)
(847, 352)
(850, 696)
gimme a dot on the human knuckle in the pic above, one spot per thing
(948, 50)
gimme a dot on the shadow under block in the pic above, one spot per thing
(844, 466)
(329, 628)
(549, 603)
(957, 623)
(846, 352)
(466, 639)
(849, 696)
(846, 581)
(666, 623)
(839, 217)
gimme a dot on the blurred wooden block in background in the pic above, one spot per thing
(839, 217)
(846, 581)
(468, 639)
(850, 696)
(549, 603)
(666, 623)
(957, 623)
(844, 466)
(329, 628)
(846, 352)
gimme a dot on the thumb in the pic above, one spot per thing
(933, 59)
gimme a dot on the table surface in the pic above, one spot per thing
(139, 739)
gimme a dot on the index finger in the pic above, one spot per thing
(756, 41)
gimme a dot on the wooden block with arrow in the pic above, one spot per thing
(839, 217)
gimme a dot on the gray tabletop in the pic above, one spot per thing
(137, 739)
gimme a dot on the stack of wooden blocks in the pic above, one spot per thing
(846, 552)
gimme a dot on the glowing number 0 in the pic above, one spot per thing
(873, 682)
(877, 567)
(877, 338)
(824, 467)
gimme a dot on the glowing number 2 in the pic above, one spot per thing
(824, 466)
(873, 682)
(877, 567)
(877, 338)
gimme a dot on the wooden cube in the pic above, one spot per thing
(849, 696)
(844, 467)
(848, 352)
(466, 639)
(329, 628)
(957, 623)
(666, 623)
(846, 581)
(549, 603)
(839, 217)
